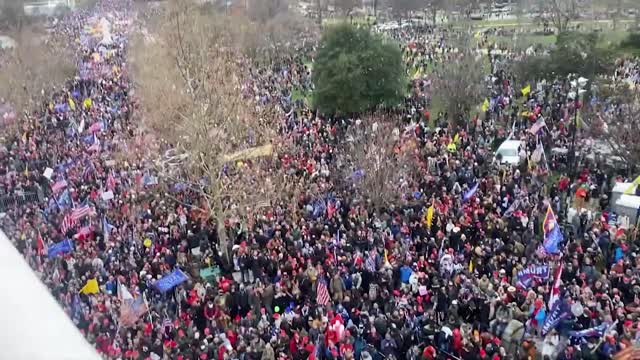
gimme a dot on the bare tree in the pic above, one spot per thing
(31, 70)
(459, 87)
(558, 13)
(12, 16)
(403, 8)
(321, 7)
(615, 10)
(375, 163)
(279, 36)
(346, 7)
(434, 6)
(191, 83)
(264, 10)
(619, 123)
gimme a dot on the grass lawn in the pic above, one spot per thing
(613, 37)
(308, 63)
(527, 22)
(607, 39)
(297, 94)
(524, 40)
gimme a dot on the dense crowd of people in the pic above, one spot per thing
(459, 268)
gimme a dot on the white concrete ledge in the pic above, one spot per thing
(32, 324)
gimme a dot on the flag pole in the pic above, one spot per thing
(603, 335)
(146, 302)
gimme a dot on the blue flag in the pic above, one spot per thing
(59, 108)
(552, 240)
(357, 175)
(149, 180)
(170, 281)
(552, 234)
(319, 207)
(64, 200)
(597, 331)
(558, 313)
(178, 187)
(89, 139)
(61, 248)
(88, 168)
(62, 167)
(75, 307)
(469, 194)
(534, 272)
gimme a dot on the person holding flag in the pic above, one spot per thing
(558, 310)
(552, 233)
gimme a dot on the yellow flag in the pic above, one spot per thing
(452, 147)
(631, 188)
(471, 265)
(429, 219)
(418, 73)
(72, 104)
(386, 257)
(456, 139)
(87, 103)
(91, 287)
(485, 105)
(526, 90)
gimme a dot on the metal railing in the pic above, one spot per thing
(9, 201)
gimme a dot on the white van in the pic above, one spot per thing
(509, 152)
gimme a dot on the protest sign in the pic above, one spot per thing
(534, 272)
(107, 195)
(48, 172)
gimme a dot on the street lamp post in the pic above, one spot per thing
(580, 84)
(572, 152)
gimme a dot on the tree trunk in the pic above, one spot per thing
(614, 17)
(223, 241)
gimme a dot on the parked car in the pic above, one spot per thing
(509, 152)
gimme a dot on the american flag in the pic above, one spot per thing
(554, 298)
(59, 185)
(167, 323)
(370, 263)
(67, 223)
(82, 211)
(597, 331)
(89, 168)
(323, 297)
(83, 233)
